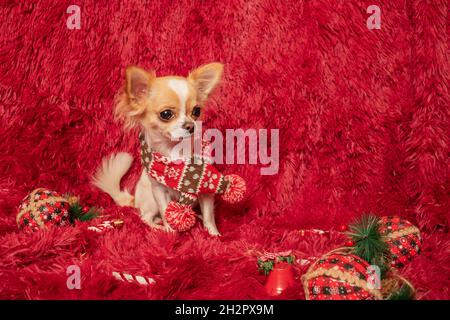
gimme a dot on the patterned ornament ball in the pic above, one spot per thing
(402, 237)
(42, 207)
(339, 276)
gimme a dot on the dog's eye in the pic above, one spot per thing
(166, 115)
(196, 111)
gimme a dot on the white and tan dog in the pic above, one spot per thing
(165, 108)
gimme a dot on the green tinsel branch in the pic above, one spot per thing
(368, 242)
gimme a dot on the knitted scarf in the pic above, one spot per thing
(190, 178)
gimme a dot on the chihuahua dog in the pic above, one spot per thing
(165, 108)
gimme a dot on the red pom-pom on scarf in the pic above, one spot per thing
(180, 217)
(236, 189)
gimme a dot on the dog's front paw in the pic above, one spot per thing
(168, 228)
(212, 229)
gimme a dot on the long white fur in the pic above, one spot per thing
(180, 87)
(108, 176)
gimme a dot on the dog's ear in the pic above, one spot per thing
(138, 83)
(205, 78)
(131, 102)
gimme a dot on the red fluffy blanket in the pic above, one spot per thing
(363, 118)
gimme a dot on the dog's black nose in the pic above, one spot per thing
(189, 126)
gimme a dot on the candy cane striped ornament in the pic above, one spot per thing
(126, 277)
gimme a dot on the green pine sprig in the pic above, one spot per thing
(368, 242)
(76, 213)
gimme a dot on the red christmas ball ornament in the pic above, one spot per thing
(349, 243)
(402, 238)
(42, 207)
(343, 228)
(85, 209)
(339, 276)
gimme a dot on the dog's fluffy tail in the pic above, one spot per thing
(109, 174)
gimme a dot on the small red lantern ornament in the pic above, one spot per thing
(402, 238)
(339, 276)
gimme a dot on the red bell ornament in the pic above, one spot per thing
(279, 279)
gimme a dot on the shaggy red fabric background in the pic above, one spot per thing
(363, 118)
